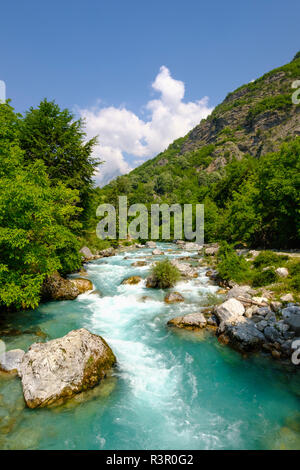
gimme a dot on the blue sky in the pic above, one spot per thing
(107, 54)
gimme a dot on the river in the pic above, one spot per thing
(172, 389)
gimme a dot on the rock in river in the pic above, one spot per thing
(56, 287)
(83, 285)
(190, 321)
(132, 280)
(243, 336)
(173, 297)
(11, 360)
(63, 367)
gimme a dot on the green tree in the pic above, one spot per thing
(52, 135)
(36, 222)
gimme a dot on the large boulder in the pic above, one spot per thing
(86, 253)
(83, 285)
(229, 311)
(240, 291)
(293, 321)
(190, 321)
(243, 335)
(10, 361)
(56, 287)
(60, 368)
(173, 297)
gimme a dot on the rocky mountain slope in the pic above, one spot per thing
(254, 119)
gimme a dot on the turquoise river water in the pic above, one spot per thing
(171, 389)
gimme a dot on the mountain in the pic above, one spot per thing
(255, 127)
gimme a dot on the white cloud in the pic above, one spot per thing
(121, 131)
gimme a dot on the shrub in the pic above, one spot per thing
(264, 278)
(295, 283)
(165, 274)
(267, 258)
(232, 266)
(294, 268)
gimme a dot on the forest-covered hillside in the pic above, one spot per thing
(242, 162)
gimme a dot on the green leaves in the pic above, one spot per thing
(36, 221)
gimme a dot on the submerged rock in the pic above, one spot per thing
(83, 285)
(190, 321)
(132, 280)
(11, 360)
(139, 263)
(63, 367)
(173, 297)
(56, 287)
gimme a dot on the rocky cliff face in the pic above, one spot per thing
(255, 119)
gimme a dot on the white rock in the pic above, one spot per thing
(11, 360)
(212, 250)
(282, 272)
(190, 246)
(229, 311)
(260, 300)
(192, 320)
(157, 252)
(64, 366)
(150, 244)
(287, 298)
(86, 252)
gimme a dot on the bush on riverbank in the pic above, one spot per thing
(231, 266)
(165, 274)
(261, 271)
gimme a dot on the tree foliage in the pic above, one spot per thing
(37, 220)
